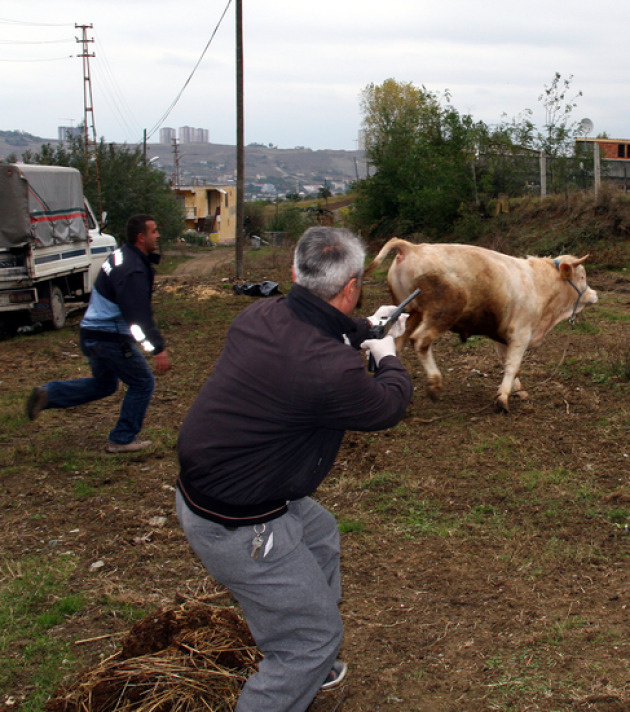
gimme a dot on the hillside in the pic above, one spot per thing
(577, 223)
(287, 170)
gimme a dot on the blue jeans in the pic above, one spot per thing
(110, 362)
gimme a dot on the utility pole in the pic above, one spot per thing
(175, 179)
(240, 143)
(90, 145)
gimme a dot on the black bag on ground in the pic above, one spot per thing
(262, 289)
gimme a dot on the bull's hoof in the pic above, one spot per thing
(501, 405)
(434, 393)
(523, 395)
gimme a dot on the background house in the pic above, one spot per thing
(615, 157)
(210, 209)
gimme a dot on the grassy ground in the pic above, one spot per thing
(485, 557)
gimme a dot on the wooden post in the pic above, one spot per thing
(240, 144)
(597, 168)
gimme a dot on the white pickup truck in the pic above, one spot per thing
(51, 247)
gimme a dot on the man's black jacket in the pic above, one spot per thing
(120, 304)
(267, 424)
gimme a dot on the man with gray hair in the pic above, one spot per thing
(261, 436)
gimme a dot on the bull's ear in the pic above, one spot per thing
(566, 270)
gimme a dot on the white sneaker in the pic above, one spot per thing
(335, 676)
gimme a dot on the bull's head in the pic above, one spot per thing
(572, 270)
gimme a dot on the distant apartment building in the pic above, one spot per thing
(167, 135)
(67, 133)
(188, 134)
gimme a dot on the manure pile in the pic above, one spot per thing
(195, 657)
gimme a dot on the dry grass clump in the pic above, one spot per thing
(195, 657)
(199, 291)
(575, 223)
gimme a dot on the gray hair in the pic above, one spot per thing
(326, 259)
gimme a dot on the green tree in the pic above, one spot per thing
(254, 217)
(419, 150)
(506, 163)
(324, 193)
(557, 139)
(525, 141)
(558, 136)
(292, 220)
(128, 185)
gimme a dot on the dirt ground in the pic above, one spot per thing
(485, 557)
(204, 264)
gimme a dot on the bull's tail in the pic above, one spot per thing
(394, 243)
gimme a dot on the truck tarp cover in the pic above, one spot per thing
(41, 202)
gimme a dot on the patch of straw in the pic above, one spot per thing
(195, 657)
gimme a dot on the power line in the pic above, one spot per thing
(181, 91)
(35, 42)
(108, 71)
(23, 23)
(5, 21)
(109, 91)
(48, 59)
(112, 92)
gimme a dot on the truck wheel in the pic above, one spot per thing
(57, 308)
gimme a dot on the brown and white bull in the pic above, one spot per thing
(475, 291)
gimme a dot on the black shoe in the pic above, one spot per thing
(335, 676)
(36, 402)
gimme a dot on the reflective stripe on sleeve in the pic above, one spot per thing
(138, 335)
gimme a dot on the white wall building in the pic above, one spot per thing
(188, 134)
(167, 135)
(68, 132)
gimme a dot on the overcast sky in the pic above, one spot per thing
(306, 64)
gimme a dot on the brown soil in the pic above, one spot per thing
(485, 560)
(204, 264)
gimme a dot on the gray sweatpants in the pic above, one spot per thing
(289, 596)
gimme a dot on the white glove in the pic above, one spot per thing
(380, 316)
(398, 329)
(379, 348)
(381, 313)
